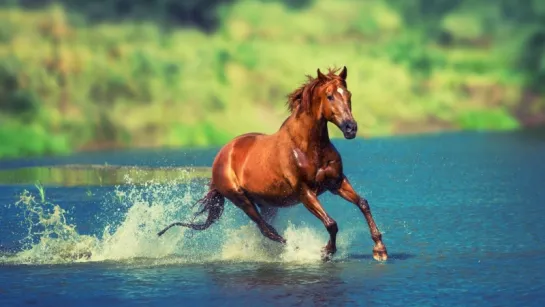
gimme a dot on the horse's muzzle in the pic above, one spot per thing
(349, 129)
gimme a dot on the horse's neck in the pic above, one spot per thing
(308, 133)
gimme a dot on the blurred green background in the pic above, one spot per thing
(106, 74)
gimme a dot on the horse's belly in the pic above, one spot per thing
(276, 193)
(285, 201)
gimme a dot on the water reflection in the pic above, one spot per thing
(391, 257)
(281, 284)
(89, 175)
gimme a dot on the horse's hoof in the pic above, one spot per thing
(327, 253)
(327, 256)
(380, 254)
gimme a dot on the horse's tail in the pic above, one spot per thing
(213, 202)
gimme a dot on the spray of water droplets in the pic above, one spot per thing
(137, 212)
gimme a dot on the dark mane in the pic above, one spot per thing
(302, 96)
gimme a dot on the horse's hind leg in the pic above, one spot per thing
(268, 213)
(250, 209)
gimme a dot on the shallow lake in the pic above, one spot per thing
(461, 215)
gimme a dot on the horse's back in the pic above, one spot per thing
(232, 155)
(250, 162)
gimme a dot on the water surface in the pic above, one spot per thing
(461, 216)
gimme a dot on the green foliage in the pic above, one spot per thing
(202, 134)
(125, 73)
(18, 140)
(497, 119)
(412, 52)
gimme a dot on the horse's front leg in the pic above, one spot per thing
(310, 200)
(346, 191)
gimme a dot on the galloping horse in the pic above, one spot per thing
(294, 165)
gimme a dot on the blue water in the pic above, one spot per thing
(461, 216)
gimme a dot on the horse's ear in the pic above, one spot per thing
(343, 73)
(320, 75)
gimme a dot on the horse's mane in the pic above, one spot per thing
(302, 96)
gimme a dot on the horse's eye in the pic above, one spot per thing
(330, 97)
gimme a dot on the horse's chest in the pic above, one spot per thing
(316, 170)
(327, 172)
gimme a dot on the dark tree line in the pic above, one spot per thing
(197, 13)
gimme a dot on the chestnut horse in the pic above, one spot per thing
(294, 165)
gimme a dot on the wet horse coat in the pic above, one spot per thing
(292, 166)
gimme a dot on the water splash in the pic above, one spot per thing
(247, 244)
(58, 241)
(131, 235)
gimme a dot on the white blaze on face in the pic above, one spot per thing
(340, 90)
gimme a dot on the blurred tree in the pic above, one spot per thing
(118, 80)
(15, 99)
(475, 20)
(196, 13)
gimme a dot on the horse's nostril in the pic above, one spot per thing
(350, 127)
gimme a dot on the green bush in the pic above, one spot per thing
(494, 119)
(17, 140)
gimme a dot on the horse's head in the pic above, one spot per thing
(335, 102)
